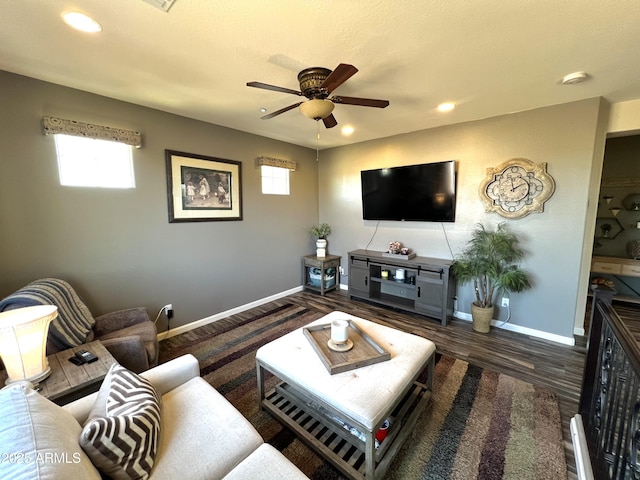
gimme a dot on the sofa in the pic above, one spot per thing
(201, 435)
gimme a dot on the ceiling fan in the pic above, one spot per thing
(317, 83)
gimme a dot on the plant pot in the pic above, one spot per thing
(321, 247)
(481, 317)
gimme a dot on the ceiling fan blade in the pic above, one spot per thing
(364, 102)
(282, 110)
(341, 74)
(275, 88)
(330, 121)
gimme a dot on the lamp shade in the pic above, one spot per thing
(316, 108)
(23, 342)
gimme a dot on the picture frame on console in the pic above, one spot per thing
(201, 188)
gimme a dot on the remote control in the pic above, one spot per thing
(85, 356)
(76, 361)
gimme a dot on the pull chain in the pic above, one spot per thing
(317, 139)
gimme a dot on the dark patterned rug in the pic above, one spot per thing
(481, 424)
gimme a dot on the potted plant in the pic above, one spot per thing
(490, 261)
(321, 232)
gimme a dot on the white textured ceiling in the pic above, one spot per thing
(491, 57)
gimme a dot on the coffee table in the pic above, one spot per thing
(67, 381)
(317, 405)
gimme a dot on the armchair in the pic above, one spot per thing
(129, 335)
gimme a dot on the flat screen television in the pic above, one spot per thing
(421, 193)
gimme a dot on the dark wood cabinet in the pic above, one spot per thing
(421, 284)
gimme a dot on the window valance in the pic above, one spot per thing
(54, 125)
(277, 162)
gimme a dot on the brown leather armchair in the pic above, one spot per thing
(129, 335)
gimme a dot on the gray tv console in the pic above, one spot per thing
(428, 287)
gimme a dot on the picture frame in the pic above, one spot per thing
(201, 188)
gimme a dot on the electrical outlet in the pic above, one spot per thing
(505, 302)
(168, 310)
(341, 270)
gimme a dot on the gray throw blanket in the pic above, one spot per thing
(74, 321)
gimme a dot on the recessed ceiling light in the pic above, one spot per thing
(347, 130)
(446, 107)
(81, 22)
(575, 77)
(263, 109)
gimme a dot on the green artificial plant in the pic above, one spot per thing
(490, 261)
(321, 231)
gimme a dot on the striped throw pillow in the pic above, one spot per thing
(122, 442)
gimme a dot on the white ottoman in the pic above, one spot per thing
(318, 405)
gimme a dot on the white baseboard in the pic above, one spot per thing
(580, 449)
(219, 316)
(524, 330)
(460, 315)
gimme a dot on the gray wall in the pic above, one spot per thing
(568, 137)
(116, 246)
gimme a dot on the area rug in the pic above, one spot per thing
(481, 424)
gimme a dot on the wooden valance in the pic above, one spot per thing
(54, 125)
(277, 162)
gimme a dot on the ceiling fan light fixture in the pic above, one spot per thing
(316, 109)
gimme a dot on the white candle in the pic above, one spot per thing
(339, 332)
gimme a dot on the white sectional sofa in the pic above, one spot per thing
(202, 435)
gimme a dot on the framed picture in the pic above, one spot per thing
(203, 189)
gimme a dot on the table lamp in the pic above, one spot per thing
(23, 342)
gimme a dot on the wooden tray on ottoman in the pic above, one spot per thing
(365, 351)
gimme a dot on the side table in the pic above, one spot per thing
(326, 282)
(68, 382)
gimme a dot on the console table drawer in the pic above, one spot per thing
(322, 262)
(399, 289)
(602, 267)
(631, 270)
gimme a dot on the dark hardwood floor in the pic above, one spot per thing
(552, 365)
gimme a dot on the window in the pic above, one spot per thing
(275, 180)
(88, 162)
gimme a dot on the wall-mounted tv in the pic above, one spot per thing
(421, 193)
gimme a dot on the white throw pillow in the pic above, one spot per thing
(39, 439)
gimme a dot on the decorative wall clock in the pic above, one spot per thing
(517, 188)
